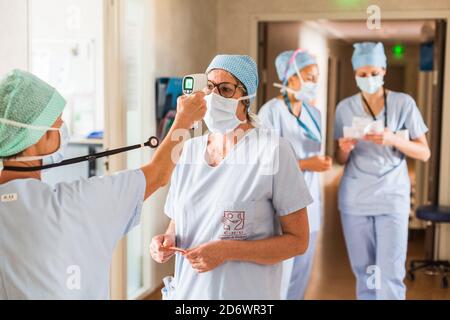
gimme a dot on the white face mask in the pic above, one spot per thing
(370, 85)
(54, 157)
(221, 116)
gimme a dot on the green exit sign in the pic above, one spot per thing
(398, 51)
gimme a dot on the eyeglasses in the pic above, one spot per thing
(226, 89)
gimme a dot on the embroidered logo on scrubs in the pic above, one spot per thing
(233, 223)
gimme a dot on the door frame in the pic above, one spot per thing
(443, 231)
(115, 130)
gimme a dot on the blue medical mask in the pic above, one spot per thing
(307, 92)
(59, 155)
(371, 84)
(221, 115)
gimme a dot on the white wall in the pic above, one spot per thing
(13, 35)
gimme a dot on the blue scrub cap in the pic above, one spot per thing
(368, 54)
(242, 67)
(285, 66)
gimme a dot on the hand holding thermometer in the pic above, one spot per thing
(194, 83)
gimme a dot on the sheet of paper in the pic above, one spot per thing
(362, 126)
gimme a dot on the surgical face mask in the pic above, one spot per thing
(58, 155)
(52, 158)
(371, 84)
(308, 91)
(221, 116)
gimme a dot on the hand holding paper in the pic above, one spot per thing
(362, 126)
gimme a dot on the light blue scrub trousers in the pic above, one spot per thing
(301, 272)
(382, 241)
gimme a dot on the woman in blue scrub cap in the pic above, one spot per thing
(231, 217)
(293, 116)
(376, 130)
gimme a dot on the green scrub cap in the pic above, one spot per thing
(26, 99)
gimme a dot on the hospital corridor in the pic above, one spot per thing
(212, 150)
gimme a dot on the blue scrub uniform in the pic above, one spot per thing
(374, 198)
(241, 199)
(275, 115)
(57, 243)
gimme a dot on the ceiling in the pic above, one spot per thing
(414, 31)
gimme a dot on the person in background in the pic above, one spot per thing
(233, 219)
(292, 115)
(374, 193)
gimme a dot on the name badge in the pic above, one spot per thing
(9, 197)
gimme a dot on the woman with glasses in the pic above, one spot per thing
(233, 220)
(292, 115)
(374, 194)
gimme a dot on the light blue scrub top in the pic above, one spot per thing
(52, 237)
(376, 179)
(275, 115)
(240, 199)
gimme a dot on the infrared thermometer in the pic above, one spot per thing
(194, 83)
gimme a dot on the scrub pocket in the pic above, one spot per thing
(234, 220)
